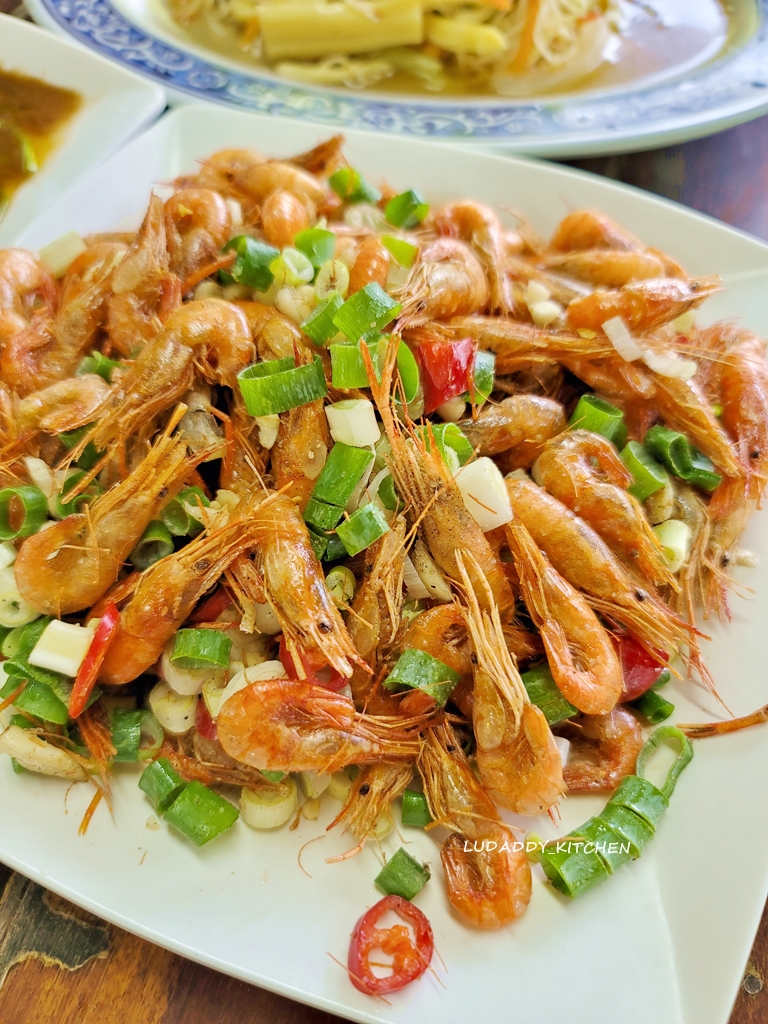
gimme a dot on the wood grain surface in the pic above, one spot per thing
(60, 964)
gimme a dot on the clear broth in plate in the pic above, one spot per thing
(664, 37)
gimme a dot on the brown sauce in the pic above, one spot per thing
(39, 112)
(661, 37)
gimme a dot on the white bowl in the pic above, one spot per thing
(116, 105)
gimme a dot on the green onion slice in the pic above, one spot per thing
(544, 693)
(201, 648)
(91, 454)
(278, 385)
(334, 549)
(317, 244)
(162, 784)
(703, 474)
(23, 510)
(642, 797)
(612, 848)
(22, 640)
(402, 875)
(363, 528)
(406, 210)
(420, 671)
(349, 185)
(366, 312)
(155, 543)
(598, 416)
(569, 868)
(387, 494)
(342, 472)
(653, 706)
(37, 698)
(176, 516)
(99, 364)
(403, 252)
(252, 265)
(322, 516)
(631, 827)
(648, 475)
(415, 810)
(483, 378)
(200, 814)
(66, 508)
(658, 736)
(451, 443)
(319, 326)
(671, 448)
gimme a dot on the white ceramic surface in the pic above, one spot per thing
(665, 940)
(661, 109)
(116, 105)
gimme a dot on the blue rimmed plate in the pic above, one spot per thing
(727, 90)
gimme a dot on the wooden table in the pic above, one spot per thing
(58, 963)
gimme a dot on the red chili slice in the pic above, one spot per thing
(204, 724)
(446, 369)
(411, 954)
(641, 670)
(89, 670)
(212, 607)
(317, 669)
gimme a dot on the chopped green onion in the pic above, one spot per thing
(544, 693)
(653, 706)
(321, 515)
(366, 312)
(200, 814)
(415, 810)
(406, 210)
(91, 454)
(703, 474)
(334, 549)
(176, 515)
(319, 326)
(66, 508)
(37, 698)
(273, 776)
(387, 494)
(598, 416)
(278, 385)
(671, 448)
(126, 734)
(363, 528)
(155, 543)
(319, 544)
(420, 671)
(666, 732)
(403, 252)
(162, 784)
(612, 848)
(333, 276)
(252, 266)
(630, 826)
(342, 472)
(483, 378)
(642, 797)
(347, 366)
(407, 367)
(349, 185)
(22, 640)
(98, 364)
(341, 584)
(201, 648)
(23, 510)
(292, 268)
(348, 369)
(449, 439)
(317, 244)
(402, 876)
(648, 476)
(663, 679)
(571, 869)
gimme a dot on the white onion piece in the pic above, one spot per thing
(563, 745)
(546, 312)
(175, 712)
(669, 366)
(40, 475)
(269, 808)
(313, 784)
(416, 589)
(62, 647)
(341, 785)
(38, 756)
(436, 584)
(452, 411)
(185, 681)
(255, 674)
(58, 255)
(266, 621)
(485, 493)
(617, 332)
(268, 429)
(14, 610)
(675, 538)
(7, 554)
(353, 422)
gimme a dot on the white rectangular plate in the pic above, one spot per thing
(116, 105)
(665, 940)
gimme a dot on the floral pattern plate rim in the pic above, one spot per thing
(729, 90)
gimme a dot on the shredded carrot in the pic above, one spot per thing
(220, 263)
(249, 33)
(12, 697)
(90, 812)
(520, 61)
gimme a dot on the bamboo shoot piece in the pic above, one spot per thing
(305, 31)
(459, 36)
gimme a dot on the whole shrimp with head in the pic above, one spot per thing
(488, 882)
(26, 285)
(479, 227)
(517, 758)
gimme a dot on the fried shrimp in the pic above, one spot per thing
(296, 726)
(582, 470)
(487, 882)
(517, 758)
(480, 228)
(642, 305)
(375, 790)
(744, 397)
(581, 656)
(197, 224)
(447, 279)
(591, 229)
(70, 565)
(64, 405)
(604, 749)
(518, 426)
(25, 282)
